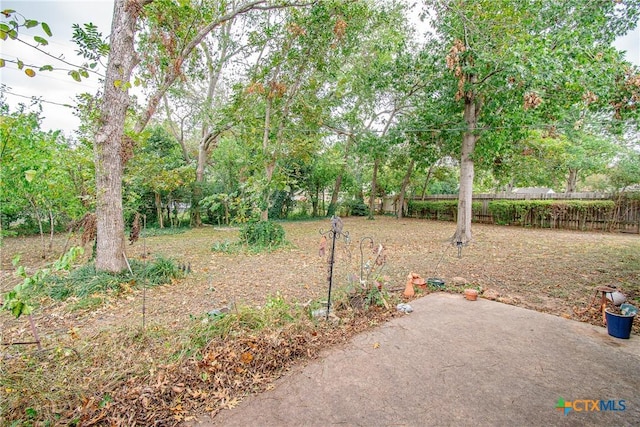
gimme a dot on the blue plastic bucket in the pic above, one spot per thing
(619, 326)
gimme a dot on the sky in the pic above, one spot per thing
(58, 88)
(54, 87)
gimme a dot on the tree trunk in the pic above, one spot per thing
(51, 230)
(572, 181)
(465, 196)
(268, 168)
(315, 197)
(207, 137)
(266, 197)
(39, 218)
(426, 181)
(403, 189)
(331, 209)
(374, 184)
(110, 240)
(196, 218)
(159, 213)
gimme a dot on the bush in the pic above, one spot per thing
(262, 233)
(85, 281)
(441, 209)
(545, 212)
(358, 208)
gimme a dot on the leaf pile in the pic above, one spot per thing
(221, 374)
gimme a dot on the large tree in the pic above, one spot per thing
(112, 145)
(508, 58)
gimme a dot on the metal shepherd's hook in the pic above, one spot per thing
(335, 232)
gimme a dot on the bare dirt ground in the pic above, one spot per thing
(552, 271)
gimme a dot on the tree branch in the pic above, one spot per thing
(59, 58)
(195, 41)
(485, 78)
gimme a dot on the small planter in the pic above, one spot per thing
(435, 283)
(420, 283)
(619, 325)
(471, 294)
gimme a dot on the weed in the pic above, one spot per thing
(160, 271)
(86, 283)
(266, 234)
(226, 246)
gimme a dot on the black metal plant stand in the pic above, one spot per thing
(334, 234)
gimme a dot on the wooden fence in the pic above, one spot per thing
(621, 214)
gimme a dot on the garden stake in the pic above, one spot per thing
(336, 230)
(362, 257)
(35, 332)
(144, 291)
(444, 251)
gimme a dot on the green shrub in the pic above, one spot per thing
(539, 212)
(263, 234)
(357, 208)
(85, 281)
(503, 211)
(160, 271)
(440, 209)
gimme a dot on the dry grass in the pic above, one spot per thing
(100, 367)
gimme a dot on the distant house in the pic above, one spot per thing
(534, 190)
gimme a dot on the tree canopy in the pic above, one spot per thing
(259, 109)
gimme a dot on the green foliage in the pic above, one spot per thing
(276, 313)
(441, 209)
(41, 173)
(91, 46)
(267, 234)
(10, 27)
(85, 282)
(155, 231)
(156, 177)
(357, 208)
(531, 212)
(17, 301)
(376, 297)
(225, 246)
(162, 270)
(626, 171)
(281, 204)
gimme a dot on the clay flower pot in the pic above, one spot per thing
(408, 290)
(420, 283)
(471, 294)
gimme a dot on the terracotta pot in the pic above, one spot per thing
(420, 283)
(408, 290)
(471, 294)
